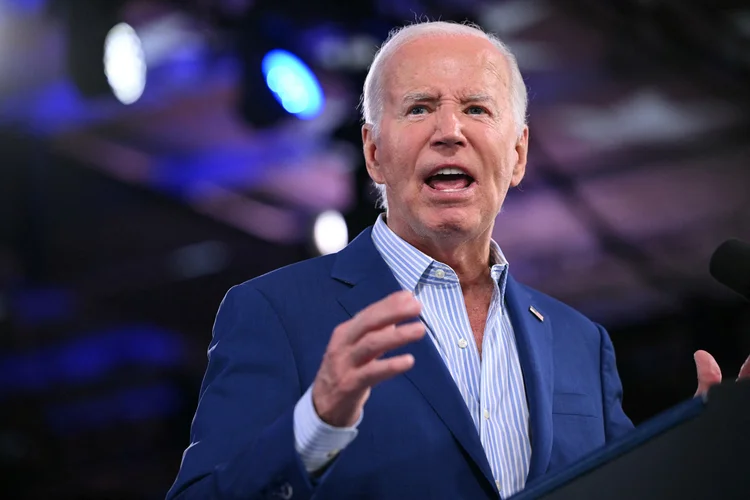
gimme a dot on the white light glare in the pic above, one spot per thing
(124, 63)
(330, 232)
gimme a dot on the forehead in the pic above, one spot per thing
(454, 65)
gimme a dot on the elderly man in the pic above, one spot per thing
(411, 364)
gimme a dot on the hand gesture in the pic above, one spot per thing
(352, 362)
(709, 372)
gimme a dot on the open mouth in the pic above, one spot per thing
(449, 180)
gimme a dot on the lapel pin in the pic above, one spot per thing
(536, 313)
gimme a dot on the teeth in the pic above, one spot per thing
(449, 171)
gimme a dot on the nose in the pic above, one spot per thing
(448, 129)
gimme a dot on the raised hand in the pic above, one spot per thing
(709, 372)
(352, 363)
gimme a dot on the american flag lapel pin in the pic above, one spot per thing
(536, 313)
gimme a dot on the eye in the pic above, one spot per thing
(476, 110)
(418, 109)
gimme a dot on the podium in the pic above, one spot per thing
(699, 449)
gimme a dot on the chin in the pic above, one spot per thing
(453, 220)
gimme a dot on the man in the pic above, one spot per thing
(411, 364)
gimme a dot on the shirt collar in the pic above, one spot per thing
(410, 265)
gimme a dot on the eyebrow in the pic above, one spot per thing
(412, 97)
(477, 98)
(419, 97)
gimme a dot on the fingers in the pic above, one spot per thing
(350, 364)
(379, 370)
(708, 370)
(394, 309)
(375, 344)
(341, 388)
(745, 369)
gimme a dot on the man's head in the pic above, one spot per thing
(444, 95)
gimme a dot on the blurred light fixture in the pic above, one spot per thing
(330, 233)
(124, 63)
(293, 84)
(278, 83)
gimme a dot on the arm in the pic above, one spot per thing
(243, 434)
(616, 423)
(242, 437)
(318, 443)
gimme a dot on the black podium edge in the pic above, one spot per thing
(668, 419)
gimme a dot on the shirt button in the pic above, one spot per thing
(487, 414)
(332, 453)
(462, 343)
(440, 274)
(497, 483)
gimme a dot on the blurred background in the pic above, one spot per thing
(154, 153)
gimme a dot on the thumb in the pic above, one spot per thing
(708, 369)
(745, 369)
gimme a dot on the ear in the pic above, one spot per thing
(370, 150)
(522, 149)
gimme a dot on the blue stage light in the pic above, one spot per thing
(293, 84)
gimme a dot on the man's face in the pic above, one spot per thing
(446, 105)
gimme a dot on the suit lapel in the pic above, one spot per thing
(534, 341)
(361, 266)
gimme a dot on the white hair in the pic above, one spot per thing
(373, 94)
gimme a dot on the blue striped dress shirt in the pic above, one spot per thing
(492, 387)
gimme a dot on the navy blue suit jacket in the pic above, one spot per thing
(417, 439)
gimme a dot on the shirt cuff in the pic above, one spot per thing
(317, 442)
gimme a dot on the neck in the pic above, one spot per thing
(469, 257)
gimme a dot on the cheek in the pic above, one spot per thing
(502, 176)
(389, 146)
(502, 157)
(403, 145)
(398, 157)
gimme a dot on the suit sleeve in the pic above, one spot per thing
(242, 436)
(616, 423)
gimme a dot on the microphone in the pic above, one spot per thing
(730, 266)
